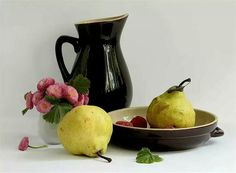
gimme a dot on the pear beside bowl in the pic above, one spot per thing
(163, 139)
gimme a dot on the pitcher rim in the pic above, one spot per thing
(102, 20)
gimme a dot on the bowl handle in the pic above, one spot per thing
(217, 132)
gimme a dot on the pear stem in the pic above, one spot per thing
(186, 80)
(180, 87)
(104, 157)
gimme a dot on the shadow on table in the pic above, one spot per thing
(207, 144)
(51, 154)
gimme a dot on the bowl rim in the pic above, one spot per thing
(164, 129)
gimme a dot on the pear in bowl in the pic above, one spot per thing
(171, 109)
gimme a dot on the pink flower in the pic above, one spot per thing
(80, 100)
(37, 96)
(24, 143)
(29, 103)
(43, 84)
(44, 106)
(62, 85)
(55, 90)
(71, 94)
(86, 99)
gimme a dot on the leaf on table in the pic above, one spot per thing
(145, 156)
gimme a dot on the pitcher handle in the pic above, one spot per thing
(58, 48)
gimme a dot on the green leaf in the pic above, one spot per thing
(52, 100)
(81, 84)
(145, 156)
(24, 111)
(57, 112)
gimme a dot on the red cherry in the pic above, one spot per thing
(139, 121)
(124, 123)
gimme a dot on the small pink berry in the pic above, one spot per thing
(37, 96)
(55, 90)
(29, 103)
(71, 94)
(43, 84)
(24, 143)
(43, 106)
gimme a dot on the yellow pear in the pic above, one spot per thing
(171, 109)
(86, 130)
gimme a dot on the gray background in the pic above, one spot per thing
(163, 42)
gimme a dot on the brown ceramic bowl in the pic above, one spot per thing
(163, 139)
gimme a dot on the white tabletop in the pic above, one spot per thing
(217, 155)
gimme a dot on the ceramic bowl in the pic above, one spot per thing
(163, 139)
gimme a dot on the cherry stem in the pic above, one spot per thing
(35, 147)
(104, 157)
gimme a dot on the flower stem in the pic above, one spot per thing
(35, 147)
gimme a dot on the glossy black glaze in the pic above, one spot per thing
(100, 59)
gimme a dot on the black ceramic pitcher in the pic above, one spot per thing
(99, 58)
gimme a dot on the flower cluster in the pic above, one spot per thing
(49, 87)
(52, 96)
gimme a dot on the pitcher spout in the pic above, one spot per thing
(106, 29)
(104, 20)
